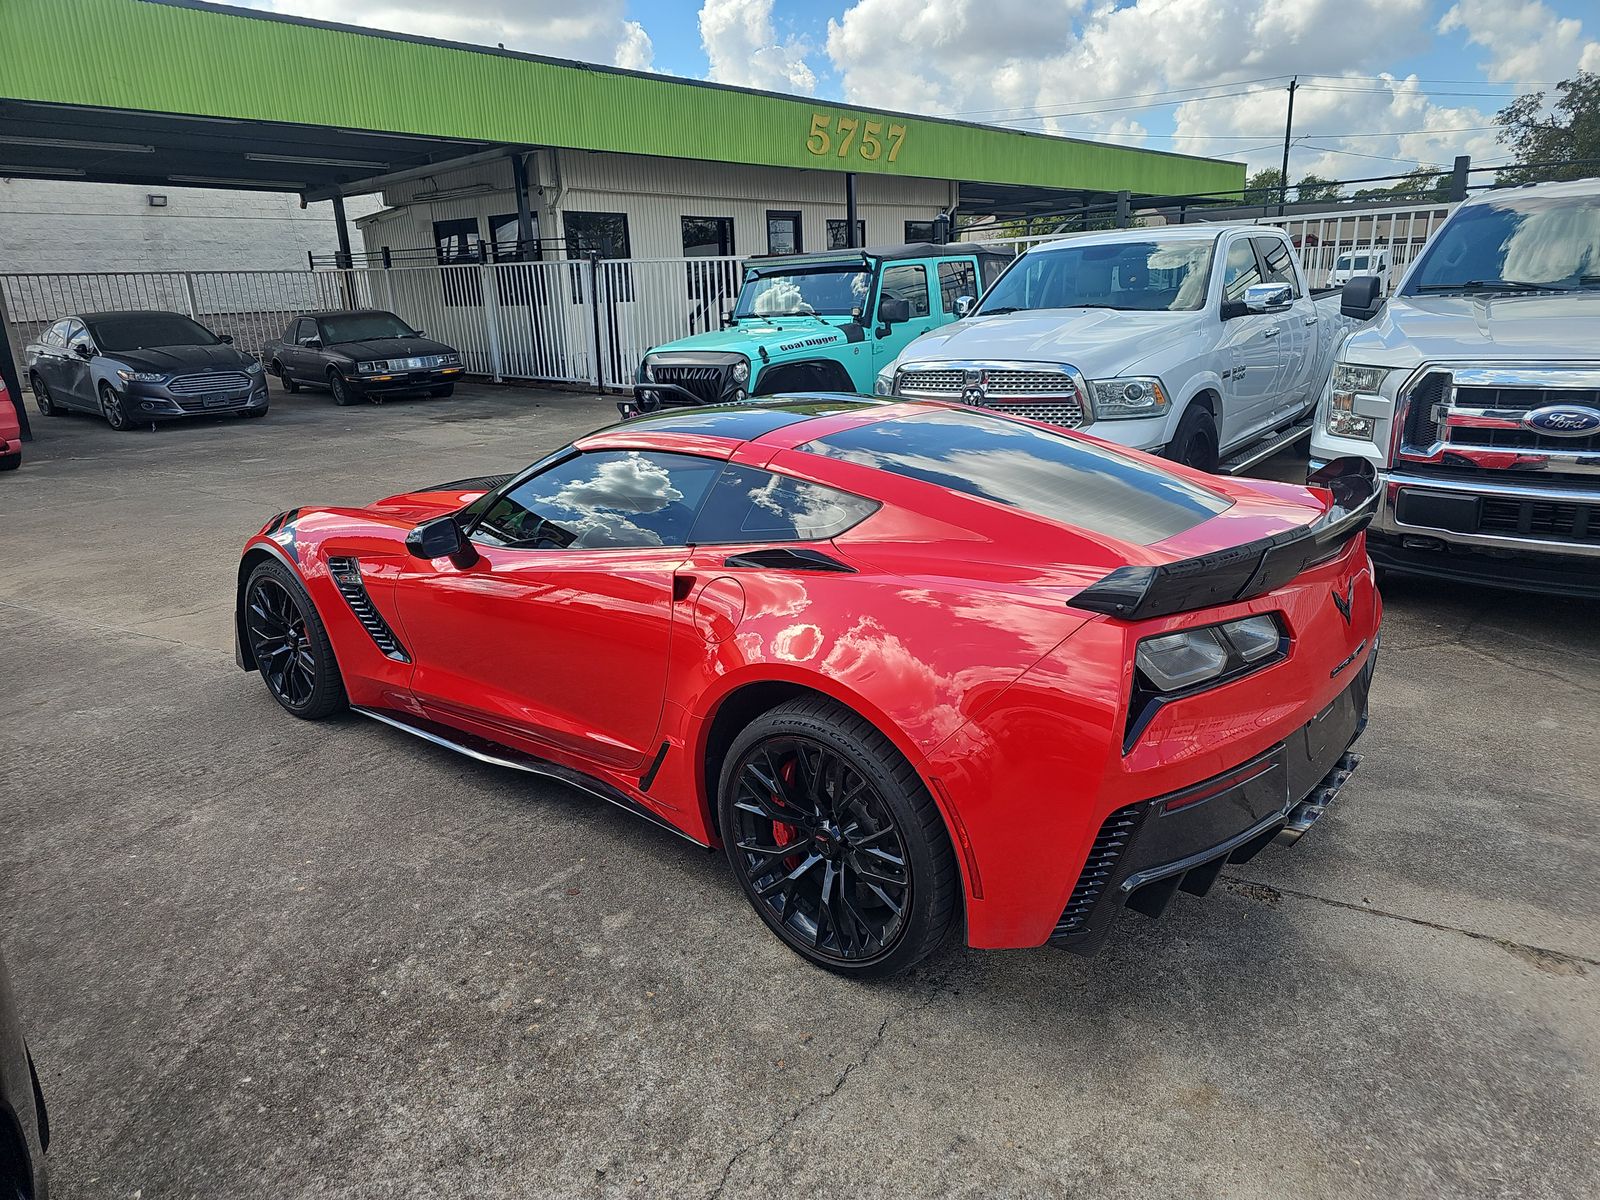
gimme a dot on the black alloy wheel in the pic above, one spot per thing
(43, 401)
(343, 393)
(836, 842)
(113, 410)
(290, 644)
(289, 385)
(1195, 442)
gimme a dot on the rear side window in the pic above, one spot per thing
(1048, 474)
(956, 279)
(57, 333)
(747, 505)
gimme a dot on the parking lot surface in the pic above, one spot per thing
(263, 957)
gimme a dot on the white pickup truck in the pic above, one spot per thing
(1476, 394)
(1199, 341)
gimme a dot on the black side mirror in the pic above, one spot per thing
(892, 311)
(418, 333)
(313, 343)
(83, 350)
(225, 338)
(727, 318)
(441, 538)
(1362, 297)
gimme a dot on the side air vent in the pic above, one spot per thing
(346, 574)
(1097, 870)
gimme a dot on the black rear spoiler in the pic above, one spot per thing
(1240, 572)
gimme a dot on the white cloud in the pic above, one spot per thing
(1528, 43)
(592, 32)
(743, 48)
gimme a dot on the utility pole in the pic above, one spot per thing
(1288, 135)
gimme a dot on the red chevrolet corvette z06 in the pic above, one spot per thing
(908, 664)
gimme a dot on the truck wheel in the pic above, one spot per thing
(1195, 443)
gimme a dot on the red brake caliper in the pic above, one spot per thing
(782, 834)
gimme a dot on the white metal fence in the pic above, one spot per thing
(571, 320)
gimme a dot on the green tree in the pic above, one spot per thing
(1263, 187)
(1565, 135)
(1314, 187)
(1423, 184)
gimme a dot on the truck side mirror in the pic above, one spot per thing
(441, 538)
(965, 305)
(1268, 297)
(1362, 297)
(894, 312)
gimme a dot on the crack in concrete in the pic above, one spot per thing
(860, 1060)
(1556, 961)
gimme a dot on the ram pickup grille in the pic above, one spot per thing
(703, 382)
(346, 574)
(206, 384)
(1048, 395)
(1098, 869)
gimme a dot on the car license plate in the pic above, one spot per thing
(217, 401)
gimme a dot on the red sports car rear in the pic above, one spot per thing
(909, 665)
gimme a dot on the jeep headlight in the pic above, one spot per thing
(128, 376)
(741, 372)
(1355, 400)
(884, 384)
(1127, 398)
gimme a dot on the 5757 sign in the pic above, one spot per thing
(843, 137)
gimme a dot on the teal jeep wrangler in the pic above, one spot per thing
(817, 323)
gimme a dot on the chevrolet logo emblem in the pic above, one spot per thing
(1345, 602)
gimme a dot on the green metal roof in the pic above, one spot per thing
(193, 58)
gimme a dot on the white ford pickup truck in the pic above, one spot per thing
(1476, 394)
(1199, 341)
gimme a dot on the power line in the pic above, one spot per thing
(978, 112)
(1379, 157)
(1090, 112)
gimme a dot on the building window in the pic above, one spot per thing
(457, 241)
(605, 234)
(504, 244)
(837, 231)
(956, 279)
(783, 233)
(919, 231)
(707, 237)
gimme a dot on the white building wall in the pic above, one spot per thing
(51, 225)
(655, 193)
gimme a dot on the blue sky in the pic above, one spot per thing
(1388, 84)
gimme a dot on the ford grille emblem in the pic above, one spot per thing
(1564, 420)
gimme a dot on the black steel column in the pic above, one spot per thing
(851, 239)
(343, 227)
(519, 180)
(1458, 177)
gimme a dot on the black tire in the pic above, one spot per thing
(881, 843)
(256, 412)
(10, 462)
(42, 399)
(439, 393)
(290, 644)
(343, 394)
(289, 385)
(1195, 442)
(113, 410)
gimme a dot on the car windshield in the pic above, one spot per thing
(831, 292)
(1146, 276)
(363, 327)
(144, 331)
(1546, 243)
